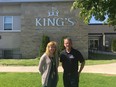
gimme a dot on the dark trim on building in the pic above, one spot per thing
(97, 24)
(14, 1)
(110, 33)
(95, 34)
(101, 33)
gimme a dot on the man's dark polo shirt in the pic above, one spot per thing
(70, 60)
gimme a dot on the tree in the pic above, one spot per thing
(113, 45)
(97, 8)
(61, 44)
(44, 42)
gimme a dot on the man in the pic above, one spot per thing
(69, 59)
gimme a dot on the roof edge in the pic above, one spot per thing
(12, 1)
(97, 24)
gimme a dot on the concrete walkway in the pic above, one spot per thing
(104, 68)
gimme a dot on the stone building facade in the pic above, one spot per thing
(24, 22)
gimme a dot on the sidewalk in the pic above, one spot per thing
(104, 68)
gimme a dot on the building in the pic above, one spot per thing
(24, 22)
(100, 37)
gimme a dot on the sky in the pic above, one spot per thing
(95, 21)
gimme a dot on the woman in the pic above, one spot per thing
(48, 66)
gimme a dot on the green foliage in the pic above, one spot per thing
(97, 8)
(113, 46)
(44, 42)
(61, 44)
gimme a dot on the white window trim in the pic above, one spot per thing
(12, 23)
(12, 27)
(10, 30)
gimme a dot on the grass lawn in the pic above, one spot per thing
(34, 80)
(97, 62)
(21, 62)
(94, 60)
(35, 62)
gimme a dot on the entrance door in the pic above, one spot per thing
(94, 44)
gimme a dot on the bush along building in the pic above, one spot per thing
(24, 22)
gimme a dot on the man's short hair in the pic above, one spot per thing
(68, 38)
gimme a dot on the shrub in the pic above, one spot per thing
(113, 45)
(61, 44)
(44, 42)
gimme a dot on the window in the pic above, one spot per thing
(93, 44)
(7, 54)
(8, 22)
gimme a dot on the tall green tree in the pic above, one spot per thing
(97, 8)
(113, 45)
(44, 42)
(61, 44)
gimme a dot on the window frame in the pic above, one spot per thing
(7, 23)
(93, 44)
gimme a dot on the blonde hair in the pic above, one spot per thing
(51, 43)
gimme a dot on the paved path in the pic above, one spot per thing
(104, 68)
